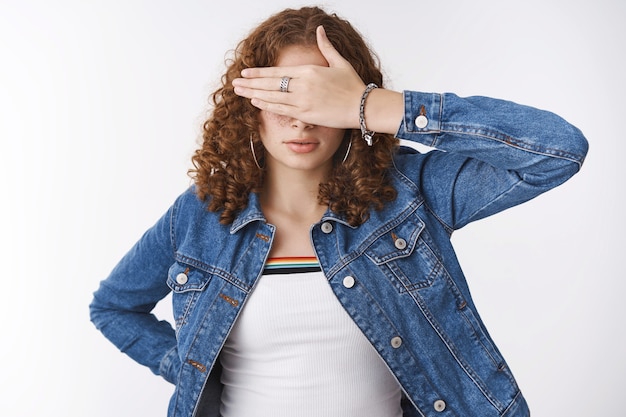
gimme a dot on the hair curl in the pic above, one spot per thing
(224, 170)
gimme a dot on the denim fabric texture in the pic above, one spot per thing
(407, 294)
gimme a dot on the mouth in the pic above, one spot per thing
(301, 142)
(301, 145)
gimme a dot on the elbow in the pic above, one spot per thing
(577, 147)
(564, 159)
(584, 144)
(554, 171)
(101, 312)
(95, 313)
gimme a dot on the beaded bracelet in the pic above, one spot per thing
(366, 134)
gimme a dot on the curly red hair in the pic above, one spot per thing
(225, 172)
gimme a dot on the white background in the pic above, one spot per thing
(100, 109)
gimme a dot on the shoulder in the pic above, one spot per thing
(189, 211)
(187, 204)
(189, 199)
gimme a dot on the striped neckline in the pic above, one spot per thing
(291, 265)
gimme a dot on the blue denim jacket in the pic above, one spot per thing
(405, 290)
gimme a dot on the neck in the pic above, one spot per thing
(293, 194)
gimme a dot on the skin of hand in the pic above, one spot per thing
(325, 96)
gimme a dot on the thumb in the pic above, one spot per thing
(329, 52)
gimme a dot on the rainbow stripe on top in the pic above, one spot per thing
(292, 265)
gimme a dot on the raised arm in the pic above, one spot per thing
(490, 154)
(496, 153)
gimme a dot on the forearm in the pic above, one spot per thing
(502, 133)
(141, 336)
(497, 154)
(122, 305)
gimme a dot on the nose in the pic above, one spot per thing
(299, 124)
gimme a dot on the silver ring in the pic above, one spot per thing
(284, 84)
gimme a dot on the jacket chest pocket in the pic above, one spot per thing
(186, 283)
(407, 255)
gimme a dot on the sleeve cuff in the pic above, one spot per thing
(422, 117)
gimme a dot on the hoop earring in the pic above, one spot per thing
(256, 162)
(347, 152)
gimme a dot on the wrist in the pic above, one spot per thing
(384, 110)
(366, 134)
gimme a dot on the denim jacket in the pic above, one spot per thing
(396, 275)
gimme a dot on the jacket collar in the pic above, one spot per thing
(251, 213)
(331, 215)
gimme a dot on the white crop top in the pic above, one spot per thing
(295, 352)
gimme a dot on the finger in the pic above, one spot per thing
(264, 96)
(259, 83)
(327, 49)
(276, 108)
(268, 72)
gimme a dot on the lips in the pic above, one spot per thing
(301, 145)
(301, 141)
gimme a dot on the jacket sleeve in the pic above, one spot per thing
(122, 305)
(489, 154)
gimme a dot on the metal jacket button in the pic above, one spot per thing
(348, 282)
(421, 121)
(439, 405)
(400, 243)
(327, 227)
(396, 342)
(182, 278)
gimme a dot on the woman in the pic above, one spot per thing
(311, 262)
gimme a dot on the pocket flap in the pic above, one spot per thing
(399, 242)
(183, 277)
